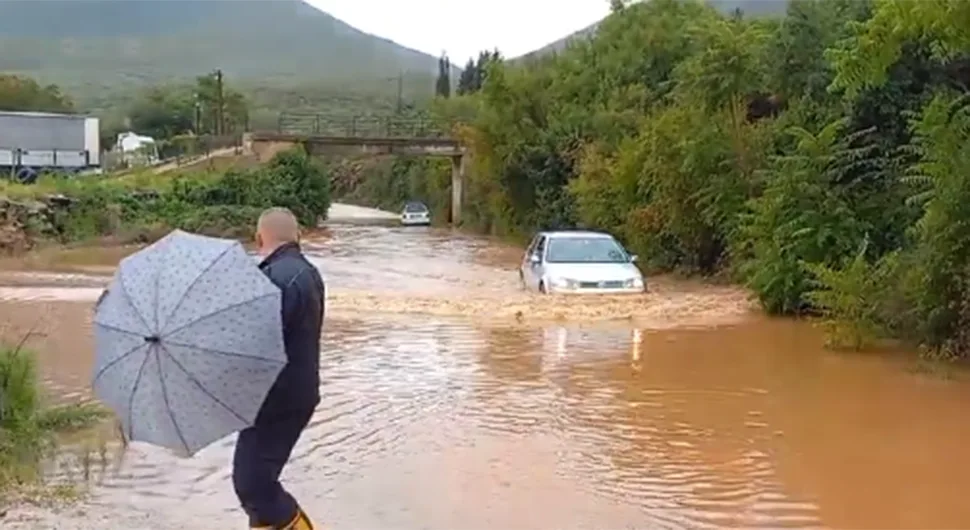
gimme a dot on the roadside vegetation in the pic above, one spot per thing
(29, 429)
(820, 157)
(143, 206)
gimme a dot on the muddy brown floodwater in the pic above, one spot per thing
(451, 400)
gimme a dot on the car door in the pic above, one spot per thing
(524, 266)
(534, 267)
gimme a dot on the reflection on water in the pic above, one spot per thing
(437, 422)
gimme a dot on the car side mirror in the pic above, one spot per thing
(534, 259)
(633, 258)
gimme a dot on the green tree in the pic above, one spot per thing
(942, 249)
(801, 218)
(878, 43)
(19, 93)
(473, 76)
(443, 83)
(820, 156)
(170, 110)
(797, 48)
(466, 81)
(163, 112)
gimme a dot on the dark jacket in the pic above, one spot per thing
(297, 388)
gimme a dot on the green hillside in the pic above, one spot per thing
(97, 47)
(747, 7)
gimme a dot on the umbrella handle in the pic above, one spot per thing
(103, 294)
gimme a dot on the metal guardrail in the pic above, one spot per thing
(358, 126)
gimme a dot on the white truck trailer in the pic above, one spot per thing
(32, 143)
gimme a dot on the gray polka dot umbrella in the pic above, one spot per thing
(189, 341)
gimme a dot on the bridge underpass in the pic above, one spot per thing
(329, 135)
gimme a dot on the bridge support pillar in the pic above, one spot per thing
(457, 185)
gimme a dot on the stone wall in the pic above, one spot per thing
(24, 222)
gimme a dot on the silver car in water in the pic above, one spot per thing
(579, 262)
(415, 213)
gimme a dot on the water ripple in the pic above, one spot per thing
(482, 407)
(442, 423)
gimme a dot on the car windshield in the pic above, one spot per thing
(585, 250)
(415, 207)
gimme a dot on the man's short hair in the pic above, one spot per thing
(280, 224)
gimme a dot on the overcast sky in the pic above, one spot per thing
(464, 27)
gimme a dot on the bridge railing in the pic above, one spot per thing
(359, 126)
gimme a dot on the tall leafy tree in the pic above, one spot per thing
(19, 93)
(466, 81)
(443, 83)
(473, 76)
(820, 157)
(165, 111)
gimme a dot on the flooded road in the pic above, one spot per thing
(444, 408)
(392, 270)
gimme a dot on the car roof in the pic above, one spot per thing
(576, 234)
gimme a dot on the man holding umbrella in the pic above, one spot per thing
(263, 449)
(193, 342)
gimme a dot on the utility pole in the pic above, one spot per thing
(220, 105)
(198, 115)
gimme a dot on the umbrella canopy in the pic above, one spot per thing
(189, 341)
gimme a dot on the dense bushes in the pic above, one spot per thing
(224, 204)
(822, 158)
(291, 179)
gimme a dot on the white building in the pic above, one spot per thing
(136, 149)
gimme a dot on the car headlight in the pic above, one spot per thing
(564, 283)
(634, 283)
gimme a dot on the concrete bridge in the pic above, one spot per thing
(327, 135)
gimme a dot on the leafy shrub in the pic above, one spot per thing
(295, 181)
(941, 254)
(220, 220)
(851, 299)
(27, 429)
(801, 218)
(291, 179)
(224, 204)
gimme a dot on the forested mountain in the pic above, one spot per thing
(86, 46)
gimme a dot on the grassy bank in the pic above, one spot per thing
(29, 429)
(141, 207)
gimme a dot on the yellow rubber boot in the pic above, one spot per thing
(300, 522)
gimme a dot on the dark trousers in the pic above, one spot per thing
(261, 452)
